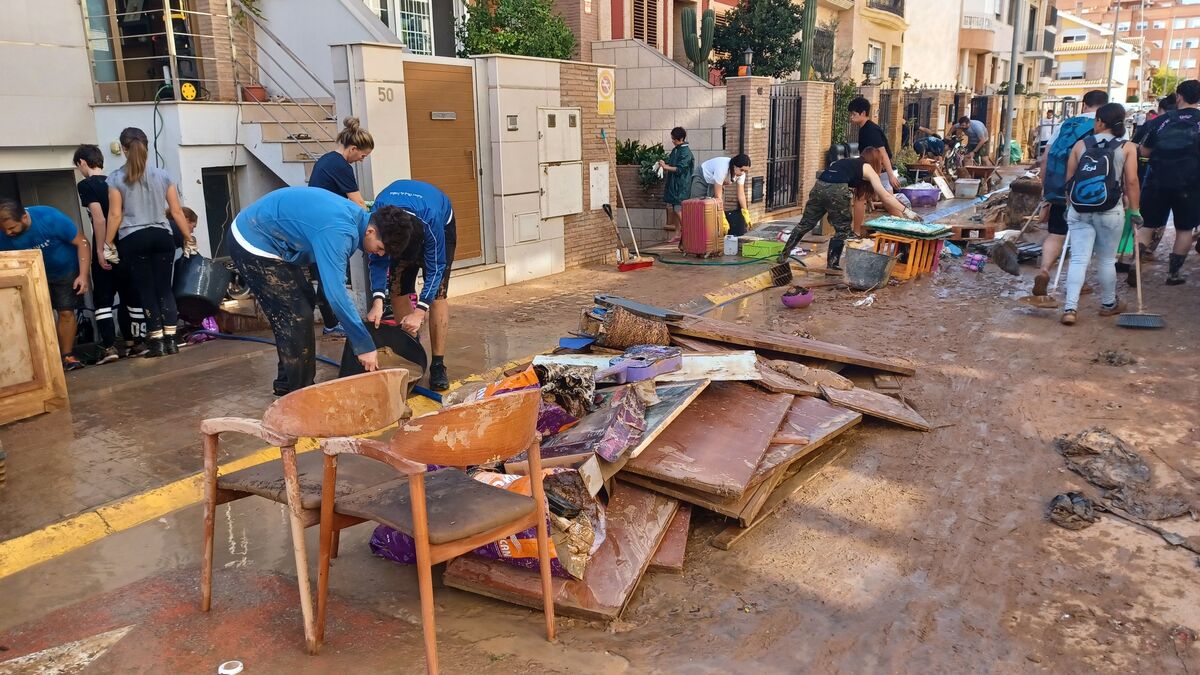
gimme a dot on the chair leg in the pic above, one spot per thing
(292, 483)
(424, 569)
(543, 537)
(329, 537)
(210, 512)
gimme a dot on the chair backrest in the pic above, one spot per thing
(347, 406)
(479, 432)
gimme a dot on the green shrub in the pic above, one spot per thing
(518, 27)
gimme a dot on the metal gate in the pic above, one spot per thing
(783, 152)
(918, 112)
(885, 110)
(979, 109)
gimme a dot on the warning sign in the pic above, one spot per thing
(606, 88)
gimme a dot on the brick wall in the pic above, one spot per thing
(588, 237)
(815, 133)
(217, 66)
(585, 25)
(755, 138)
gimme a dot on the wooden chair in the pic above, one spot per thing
(343, 407)
(447, 512)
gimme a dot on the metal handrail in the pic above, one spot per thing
(258, 22)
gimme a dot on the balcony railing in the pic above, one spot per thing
(893, 6)
(971, 22)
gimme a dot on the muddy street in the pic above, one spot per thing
(913, 552)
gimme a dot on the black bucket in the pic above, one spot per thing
(396, 349)
(200, 286)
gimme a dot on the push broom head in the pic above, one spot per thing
(1141, 320)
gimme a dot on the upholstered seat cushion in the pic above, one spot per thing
(458, 505)
(266, 480)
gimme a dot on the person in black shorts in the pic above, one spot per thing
(1173, 176)
(432, 252)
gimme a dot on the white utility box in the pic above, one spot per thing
(562, 189)
(560, 135)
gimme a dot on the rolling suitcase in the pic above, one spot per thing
(701, 233)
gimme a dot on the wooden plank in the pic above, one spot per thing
(725, 539)
(724, 331)
(876, 405)
(637, 521)
(670, 554)
(736, 366)
(769, 379)
(813, 418)
(641, 309)
(673, 400)
(717, 442)
(888, 382)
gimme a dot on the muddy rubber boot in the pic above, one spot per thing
(154, 348)
(833, 258)
(1174, 278)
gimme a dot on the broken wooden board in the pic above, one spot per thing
(726, 366)
(732, 333)
(716, 443)
(670, 553)
(673, 398)
(770, 379)
(877, 405)
(823, 421)
(811, 417)
(637, 521)
(725, 539)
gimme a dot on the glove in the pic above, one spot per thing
(746, 218)
(912, 215)
(724, 224)
(1135, 218)
(110, 254)
(189, 247)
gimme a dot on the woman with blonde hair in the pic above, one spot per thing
(139, 199)
(841, 193)
(334, 172)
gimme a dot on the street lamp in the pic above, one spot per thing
(893, 74)
(868, 69)
(747, 60)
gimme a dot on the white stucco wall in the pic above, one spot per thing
(931, 42)
(46, 88)
(295, 23)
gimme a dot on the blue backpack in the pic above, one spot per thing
(1096, 186)
(1054, 183)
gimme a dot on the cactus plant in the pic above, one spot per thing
(698, 48)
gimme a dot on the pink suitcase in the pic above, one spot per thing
(701, 233)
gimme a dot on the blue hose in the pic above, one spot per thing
(417, 389)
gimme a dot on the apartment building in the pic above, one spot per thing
(1167, 32)
(1084, 57)
(985, 43)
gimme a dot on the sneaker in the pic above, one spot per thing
(438, 379)
(110, 355)
(1116, 308)
(71, 363)
(138, 348)
(336, 331)
(1068, 317)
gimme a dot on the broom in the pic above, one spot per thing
(1140, 318)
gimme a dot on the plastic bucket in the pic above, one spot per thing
(398, 349)
(867, 269)
(200, 286)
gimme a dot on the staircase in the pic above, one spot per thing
(289, 137)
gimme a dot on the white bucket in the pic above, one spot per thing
(731, 245)
(966, 188)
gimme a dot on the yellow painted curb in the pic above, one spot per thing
(21, 553)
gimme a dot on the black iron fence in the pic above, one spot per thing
(783, 151)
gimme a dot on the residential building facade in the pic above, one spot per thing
(1084, 57)
(985, 43)
(1167, 33)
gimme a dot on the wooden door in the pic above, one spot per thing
(441, 143)
(31, 375)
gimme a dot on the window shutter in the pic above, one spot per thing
(645, 21)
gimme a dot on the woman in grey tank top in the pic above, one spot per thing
(139, 199)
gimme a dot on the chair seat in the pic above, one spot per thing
(458, 506)
(266, 480)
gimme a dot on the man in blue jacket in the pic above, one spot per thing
(277, 236)
(430, 250)
(66, 254)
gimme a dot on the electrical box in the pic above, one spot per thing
(560, 135)
(562, 189)
(528, 227)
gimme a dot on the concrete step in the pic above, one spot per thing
(287, 112)
(325, 132)
(302, 150)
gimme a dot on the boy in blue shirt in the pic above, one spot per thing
(276, 237)
(431, 250)
(67, 256)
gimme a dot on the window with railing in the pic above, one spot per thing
(893, 6)
(414, 25)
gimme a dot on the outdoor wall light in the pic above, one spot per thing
(868, 68)
(894, 73)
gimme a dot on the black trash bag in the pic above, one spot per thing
(1072, 511)
(1103, 459)
(1146, 505)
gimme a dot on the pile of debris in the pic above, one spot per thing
(666, 412)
